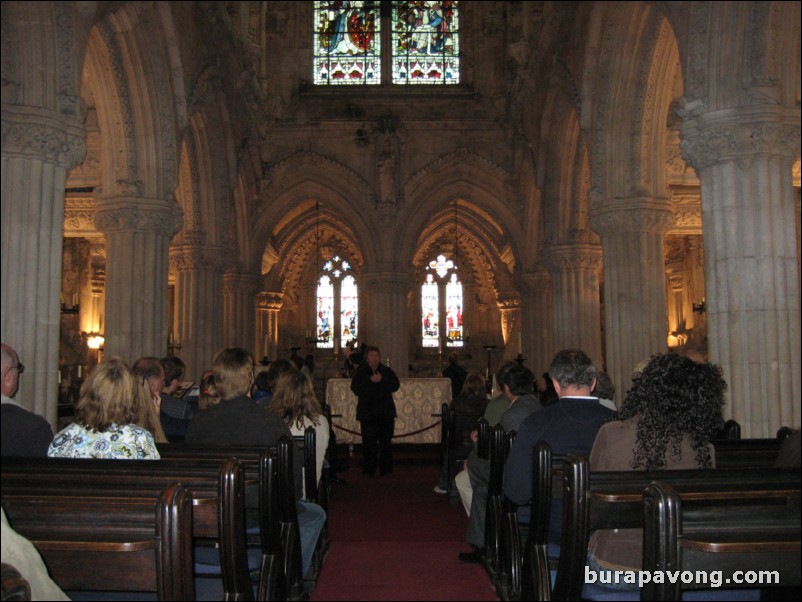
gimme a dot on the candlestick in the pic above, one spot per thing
(80, 370)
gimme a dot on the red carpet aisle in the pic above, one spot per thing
(393, 538)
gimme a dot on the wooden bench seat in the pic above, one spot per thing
(112, 543)
(281, 574)
(614, 500)
(217, 487)
(755, 535)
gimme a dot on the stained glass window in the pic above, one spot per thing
(347, 43)
(442, 282)
(337, 305)
(325, 312)
(454, 312)
(423, 38)
(430, 312)
(425, 43)
(349, 310)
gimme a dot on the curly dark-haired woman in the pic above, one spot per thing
(667, 420)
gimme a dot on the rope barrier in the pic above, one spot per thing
(424, 429)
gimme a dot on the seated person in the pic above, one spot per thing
(24, 433)
(174, 369)
(105, 416)
(568, 426)
(238, 420)
(472, 398)
(295, 401)
(666, 421)
(519, 387)
(493, 411)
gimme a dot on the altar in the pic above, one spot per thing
(415, 401)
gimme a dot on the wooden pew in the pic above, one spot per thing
(746, 453)
(499, 449)
(718, 540)
(111, 543)
(613, 500)
(457, 425)
(525, 560)
(217, 489)
(281, 572)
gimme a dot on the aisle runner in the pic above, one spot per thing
(393, 538)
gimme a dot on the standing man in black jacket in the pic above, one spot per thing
(374, 385)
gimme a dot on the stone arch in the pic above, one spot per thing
(130, 78)
(630, 58)
(208, 172)
(491, 219)
(285, 218)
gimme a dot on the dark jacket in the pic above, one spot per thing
(240, 421)
(374, 399)
(24, 433)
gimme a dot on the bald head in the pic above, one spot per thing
(10, 373)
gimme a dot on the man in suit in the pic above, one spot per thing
(23, 433)
(568, 426)
(519, 388)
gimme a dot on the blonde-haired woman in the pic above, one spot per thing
(105, 419)
(295, 401)
(149, 375)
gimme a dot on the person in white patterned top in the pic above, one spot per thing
(105, 415)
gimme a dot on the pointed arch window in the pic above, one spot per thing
(398, 42)
(442, 305)
(337, 310)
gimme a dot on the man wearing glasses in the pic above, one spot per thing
(23, 433)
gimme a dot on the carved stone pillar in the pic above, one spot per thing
(383, 305)
(198, 314)
(239, 315)
(509, 306)
(743, 157)
(537, 320)
(577, 312)
(38, 147)
(268, 307)
(632, 232)
(138, 232)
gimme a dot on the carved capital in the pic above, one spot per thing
(238, 283)
(574, 257)
(509, 301)
(79, 216)
(38, 133)
(149, 215)
(639, 214)
(730, 134)
(186, 258)
(269, 301)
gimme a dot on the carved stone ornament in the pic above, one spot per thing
(739, 133)
(574, 257)
(269, 301)
(39, 135)
(149, 215)
(635, 215)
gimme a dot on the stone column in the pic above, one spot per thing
(239, 315)
(268, 307)
(138, 232)
(537, 320)
(383, 304)
(198, 310)
(577, 313)
(744, 160)
(632, 232)
(38, 147)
